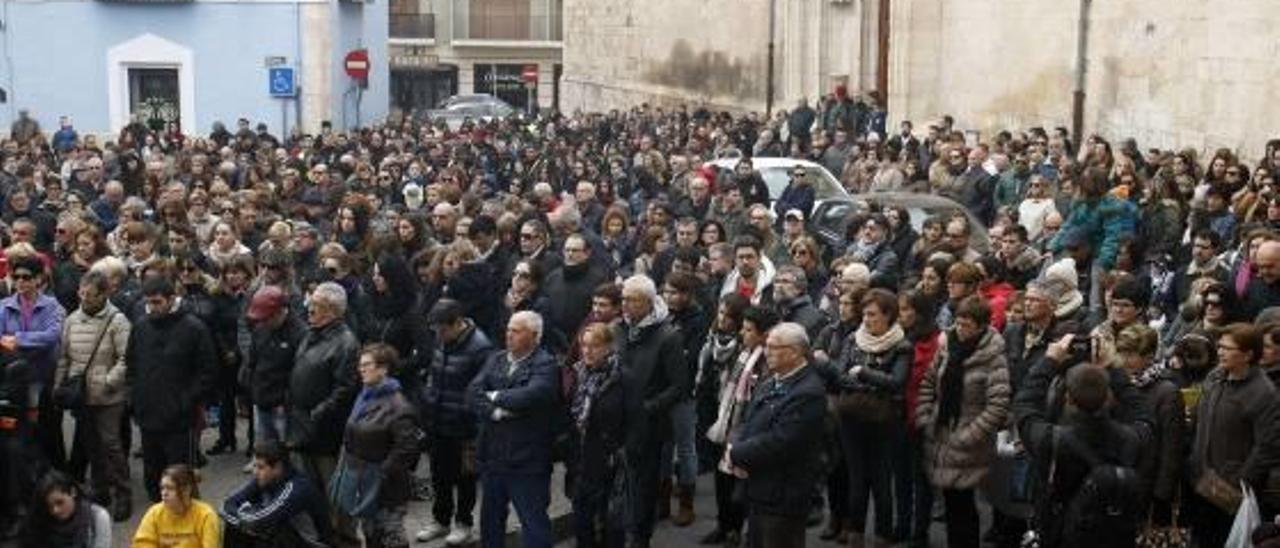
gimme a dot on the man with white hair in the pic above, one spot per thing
(444, 220)
(322, 387)
(777, 450)
(515, 399)
(652, 355)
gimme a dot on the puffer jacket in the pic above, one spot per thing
(452, 369)
(322, 386)
(105, 380)
(383, 430)
(959, 456)
(1105, 220)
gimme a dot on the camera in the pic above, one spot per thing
(1081, 348)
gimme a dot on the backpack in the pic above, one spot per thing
(1105, 508)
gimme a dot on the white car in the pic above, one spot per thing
(776, 173)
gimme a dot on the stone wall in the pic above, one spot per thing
(1167, 73)
(618, 53)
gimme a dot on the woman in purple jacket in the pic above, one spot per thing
(31, 325)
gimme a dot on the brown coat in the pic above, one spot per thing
(958, 457)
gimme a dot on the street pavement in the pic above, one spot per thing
(223, 474)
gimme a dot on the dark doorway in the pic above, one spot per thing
(419, 90)
(503, 82)
(153, 93)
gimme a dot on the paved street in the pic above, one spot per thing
(223, 474)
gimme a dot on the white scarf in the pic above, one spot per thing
(873, 344)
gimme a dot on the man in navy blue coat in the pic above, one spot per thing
(777, 450)
(515, 399)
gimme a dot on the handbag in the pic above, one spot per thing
(72, 393)
(866, 406)
(355, 486)
(1218, 491)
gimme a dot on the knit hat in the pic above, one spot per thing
(1063, 275)
(412, 196)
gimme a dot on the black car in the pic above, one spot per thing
(831, 218)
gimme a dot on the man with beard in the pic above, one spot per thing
(793, 301)
(752, 276)
(750, 184)
(871, 250)
(572, 285)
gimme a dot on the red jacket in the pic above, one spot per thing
(997, 296)
(925, 349)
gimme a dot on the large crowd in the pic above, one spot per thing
(1087, 342)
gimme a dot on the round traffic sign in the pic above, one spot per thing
(357, 64)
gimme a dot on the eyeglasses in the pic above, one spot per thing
(528, 236)
(22, 276)
(523, 274)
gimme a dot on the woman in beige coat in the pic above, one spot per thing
(964, 401)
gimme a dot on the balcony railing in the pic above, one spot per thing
(413, 25)
(507, 27)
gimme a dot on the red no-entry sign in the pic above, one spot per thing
(530, 74)
(357, 64)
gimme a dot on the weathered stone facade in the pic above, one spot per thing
(1169, 74)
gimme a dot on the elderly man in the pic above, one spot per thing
(790, 293)
(514, 398)
(322, 388)
(1263, 290)
(444, 220)
(777, 450)
(652, 356)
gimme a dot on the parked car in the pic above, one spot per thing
(478, 107)
(831, 218)
(777, 174)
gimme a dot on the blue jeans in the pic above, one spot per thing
(684, 419)
(530, 494)
(270, 423)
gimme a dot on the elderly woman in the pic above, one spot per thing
(869, 382)
(380, 444)
(1161, 468)
(597, 413)
(1235, 428)
(964, 401)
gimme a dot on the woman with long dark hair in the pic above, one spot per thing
(63, 517)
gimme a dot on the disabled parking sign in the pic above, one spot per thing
(281, 82)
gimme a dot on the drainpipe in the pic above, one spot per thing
(768, 89)
(1082, 53)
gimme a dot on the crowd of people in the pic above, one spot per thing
(1088, 341)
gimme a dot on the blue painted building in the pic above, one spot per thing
(102, 62)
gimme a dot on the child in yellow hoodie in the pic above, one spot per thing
(180, 520)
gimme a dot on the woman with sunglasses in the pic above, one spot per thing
(31, 323)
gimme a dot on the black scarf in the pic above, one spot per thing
(75, 532)
(951, 399)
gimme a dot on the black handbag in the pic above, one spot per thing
(73, 392)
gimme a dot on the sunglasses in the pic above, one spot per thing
(22, 276)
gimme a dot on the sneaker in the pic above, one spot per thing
(460, 534)
(431, 532)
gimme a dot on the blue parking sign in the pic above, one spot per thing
(281, 83)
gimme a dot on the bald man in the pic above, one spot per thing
(1264, 289)
(777, 450)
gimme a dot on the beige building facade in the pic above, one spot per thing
(439, 48)
(1196, 74)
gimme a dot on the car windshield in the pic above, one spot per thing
(777, 177)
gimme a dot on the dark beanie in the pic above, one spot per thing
(1133, 291)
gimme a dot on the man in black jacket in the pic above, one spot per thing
(651, 352)
(277, 332)
(791, 296)
(572, 285)
(777, 450)
(322, 386)
(171, 369)
(680, 293)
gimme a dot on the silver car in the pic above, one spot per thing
(776, 173)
